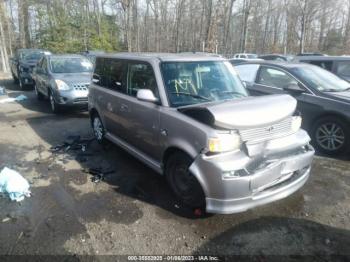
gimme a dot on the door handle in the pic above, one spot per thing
(124, 107)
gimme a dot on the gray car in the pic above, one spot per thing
(64, 80)
(190, 118)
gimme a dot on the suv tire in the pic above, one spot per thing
(98, 128)
(184, 184)
(331, 135)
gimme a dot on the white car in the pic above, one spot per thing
(246, 56)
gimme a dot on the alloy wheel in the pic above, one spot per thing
(330, 136)
(98, 128)
(52, 103)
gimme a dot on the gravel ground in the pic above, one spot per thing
(133, 212)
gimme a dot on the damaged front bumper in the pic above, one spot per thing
(262, 173)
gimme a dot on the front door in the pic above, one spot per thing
(140, 119)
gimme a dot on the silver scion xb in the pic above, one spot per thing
(190, 118)
(64, 79)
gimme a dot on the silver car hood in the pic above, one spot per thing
(76, 78)
(244, 113)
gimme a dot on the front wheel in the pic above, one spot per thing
(331, 135)
(54, 106)
(183, 183)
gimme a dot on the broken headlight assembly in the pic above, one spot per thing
(224, 143)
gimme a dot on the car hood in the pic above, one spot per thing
(344, 95)
(74, 78)
(244, 113)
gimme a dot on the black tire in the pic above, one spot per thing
(21, 85)
(184, 184)
(55, 108)
(98, 128)
(39, 95)
(15, 79)
(331, 135)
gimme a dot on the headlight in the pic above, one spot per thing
(296, 123)
(61, 85)
(224, 143)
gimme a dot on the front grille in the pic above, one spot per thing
(267, 132)
(80, 100)
(81, 87)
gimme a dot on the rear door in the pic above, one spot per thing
(108, 85)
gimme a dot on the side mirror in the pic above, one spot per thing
(96, 79)
(293, 88)
(146, 95)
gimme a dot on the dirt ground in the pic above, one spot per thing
(133, 212)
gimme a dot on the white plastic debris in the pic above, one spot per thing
(2, 91)
(13, 184)
(13, 99)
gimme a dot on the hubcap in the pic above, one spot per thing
(52, 102)
(330, 136)
(98, 129)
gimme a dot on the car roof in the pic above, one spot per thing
(66, 56)
(176, 57)
(281, 64)
(322, 58)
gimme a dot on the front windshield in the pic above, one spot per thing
(70, 65)
(33, 56)
(321, 79)
(190, 83)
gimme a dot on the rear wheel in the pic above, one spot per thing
(98, 128)
(21, 85)
(39, 95)
(183, 183)
(15, 79)
(331, 135)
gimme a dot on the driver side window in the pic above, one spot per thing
(275, 78)
(141, 76)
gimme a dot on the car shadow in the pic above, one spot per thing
(279, 239)
(130, 177)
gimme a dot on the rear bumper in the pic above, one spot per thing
(235, 182)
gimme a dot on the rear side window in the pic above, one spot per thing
(141, 76)
(274, 77)
(116, 72)
(247, 73)
(343, 68)
(324, 64)
(99, 77)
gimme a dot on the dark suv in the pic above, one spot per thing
(339, 65)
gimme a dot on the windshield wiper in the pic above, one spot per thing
(228, 92)
(191, 95)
